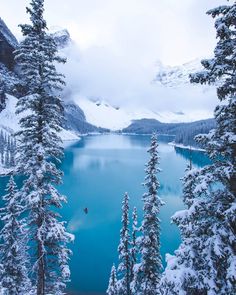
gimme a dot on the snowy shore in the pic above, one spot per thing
(187, 147)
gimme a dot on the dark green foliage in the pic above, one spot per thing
(184, 132)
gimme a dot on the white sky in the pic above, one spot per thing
(119, 43)
(174, 31)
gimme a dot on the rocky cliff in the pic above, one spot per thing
(8, 44)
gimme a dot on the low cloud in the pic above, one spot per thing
(97, 73)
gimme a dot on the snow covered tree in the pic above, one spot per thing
(112, 287)
(12, 150)
(2, 145)
(148, 272)
(187, 270)
(13, 258)
(220, 144)
(124, 267)
(205, 262)
(7, 156)
(134, 246)
(39, 150)
(2, 95)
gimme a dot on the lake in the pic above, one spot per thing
(98, 170)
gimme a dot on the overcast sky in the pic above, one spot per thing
(120, 41)
(174, 31)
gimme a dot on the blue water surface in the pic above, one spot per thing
(98, 170)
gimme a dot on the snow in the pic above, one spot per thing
(67, 135)
(102, 114)
(4, 171)
(188, 147)
(9, 124)
(177, 75)
(9, 121)
(58, 31)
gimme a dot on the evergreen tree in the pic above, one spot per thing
(220, 144)
(134, 246)
(7, 157)
(112, 287)
(184, 272)
(148, 272)
(205, 261)
(13, 258)
(12, 152)
(124, 267)
(39, 150)
(2, 95)
(2, 144)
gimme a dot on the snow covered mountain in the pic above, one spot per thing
(9, 121)
(103, 114)
(61, 36)
(170, 86)
(178, 75)
(85, 114)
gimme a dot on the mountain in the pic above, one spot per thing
(178, 75)
(9, 121)
(61, 37)
(9, 82)
(10, 88)
(89, 115)
(75, 120)
(8, 44)
(171, 84)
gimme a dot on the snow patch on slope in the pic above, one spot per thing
(178, 75)
(9, 121)
(102, 114)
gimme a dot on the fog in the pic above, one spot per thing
(118, 44)
(99, 74)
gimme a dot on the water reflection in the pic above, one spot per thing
(198, 158)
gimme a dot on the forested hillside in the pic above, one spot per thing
(184, 132)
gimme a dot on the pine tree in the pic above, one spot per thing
(148, 272)
(12, 152)
(112, 287)
(7, 157)
(39, 150)
(205, 261)
(124, 270)
(2, 144)
(2, 95)
(13, 259)
(220, 144)
(184, 271)
(134, 246)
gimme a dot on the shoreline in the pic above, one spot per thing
(187, 147)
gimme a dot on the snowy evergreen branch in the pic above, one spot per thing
(205, 261)
(39, 151)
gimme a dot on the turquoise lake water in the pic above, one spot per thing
(98, 170)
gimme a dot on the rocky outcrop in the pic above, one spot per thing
(75, 120)
(61, 37)
(8, 44)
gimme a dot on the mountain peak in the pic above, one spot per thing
(61, 36)
(174, 76)
(8, 44)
